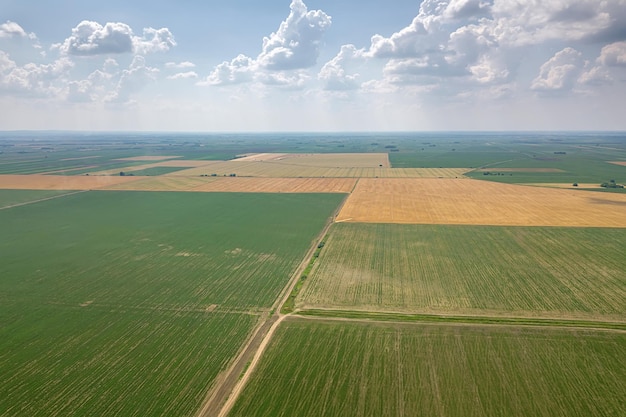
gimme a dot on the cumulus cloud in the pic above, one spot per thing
(560, 72)
(180, 65)
(91, 38)
(40, 80)
(11, 29)
(154, 40)
(183, 76)
(293, 47)
(613, 55)
(131, 80)
(240, 69)
(334, 74)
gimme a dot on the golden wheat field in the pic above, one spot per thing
(330, 160)
(271, 169)
(279, 185)
(161, 183)
(466, 201)
(60, 182)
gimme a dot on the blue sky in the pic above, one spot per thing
(313, 65)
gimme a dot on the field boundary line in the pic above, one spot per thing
(365, 316)
(43, 199)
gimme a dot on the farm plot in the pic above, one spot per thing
(283, 170)
(471, 270)
(129, 303)
(280, 185)
(329, 160)
(59, 182)
(10, 198)
(165, 166)
(465, 201)
(163, 183)
(315, 368)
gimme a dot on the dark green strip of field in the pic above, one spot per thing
(130, 303)
(154, 171)
(531, 272)
(14, 197)
(319, 368)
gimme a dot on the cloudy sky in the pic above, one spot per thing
(313, 65)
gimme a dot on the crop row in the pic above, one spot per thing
(316, 368)
(478, 270)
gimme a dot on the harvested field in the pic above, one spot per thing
(260, 157)
(280, 185)
(274, 169)
(552, 272)
(622, 163)
(466, 201)
(60, 182)
(163, 183)
(326, 368)
(148, 158)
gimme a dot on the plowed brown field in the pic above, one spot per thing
(60, 182)
(466, 201)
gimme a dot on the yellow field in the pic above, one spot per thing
(280, 185)
(329, 160)
(60, 182)
(162, 183)
(241, 185)
(270, 169)
(466, 201)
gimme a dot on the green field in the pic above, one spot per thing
(318, 368)
(130, 303)
(13, 197)
(474, 270)
(154, 171)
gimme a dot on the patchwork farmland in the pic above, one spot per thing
(409, 289)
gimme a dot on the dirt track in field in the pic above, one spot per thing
(60, 182)
(474, 202)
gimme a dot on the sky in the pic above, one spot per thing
(314, 65)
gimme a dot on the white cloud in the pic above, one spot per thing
(595, 76)
(295, 45)
(560, 72)
(91, 38)
(237, 71)
(180, 65)
(183, 76)
(132, 80)
(613, 55)
(334, 75)
(40, 80)
(154, 40)
(12, 29)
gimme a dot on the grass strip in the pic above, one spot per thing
(433, 318)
